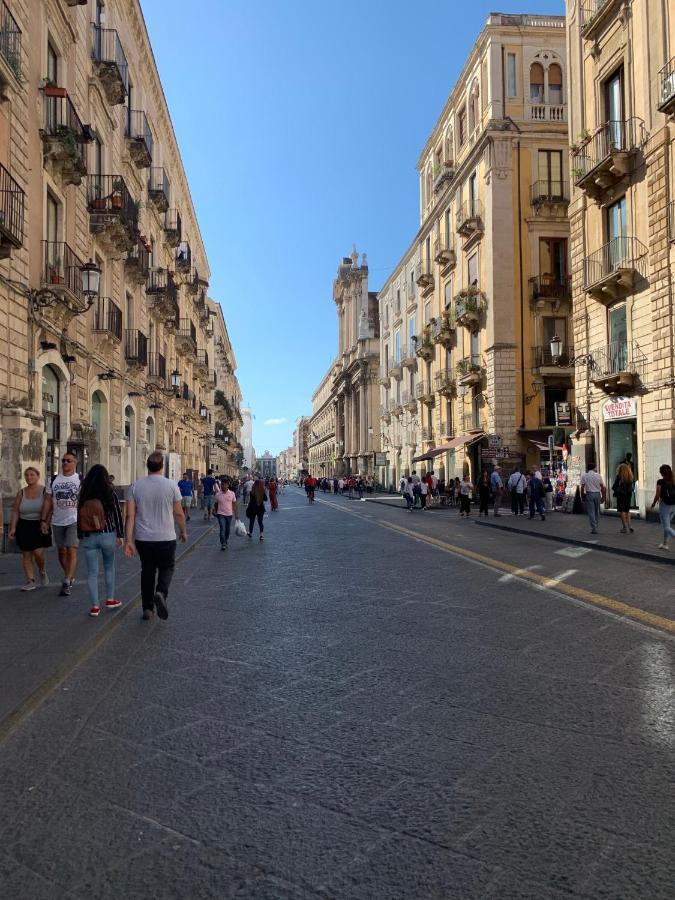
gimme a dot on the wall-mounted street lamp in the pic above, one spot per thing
(557, 353)
(90, 281)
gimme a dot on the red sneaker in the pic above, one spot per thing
(94, 611)
(113, 604)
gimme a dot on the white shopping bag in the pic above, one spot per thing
(239, 528)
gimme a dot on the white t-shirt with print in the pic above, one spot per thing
(65, 489)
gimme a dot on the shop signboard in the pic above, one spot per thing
(494, 441)
(494, 452)
(574, 472)
(380, 459)
(619, 408)
(563, 413)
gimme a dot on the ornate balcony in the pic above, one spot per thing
(548, 112)
(107, 321)
(384, 377)
(424, 346)
(424, 276)
(191, 282)
(385, 413)
(212, 380)
(61, 275)
(470, 305)
(12, 213)
(472, 421)
(554, 288)
(139, 138)
(137, 263)
(173, 227)
(616, 269)
(445, 383)
(409, 356)
(428, 435)
(563, 366)
(470, 218)
(410, 401)
(550, 197)
(186, 339)
(184, 259)
(425, 393)
(10, 51)
(110, 64)
(618, 367)
(63, 137)
(667, 88)
(396, 369)
(201, 367)
(469, 370)
(396, 406)
(135, 348)
(159, 189)
(163, 293)
(444, 254)
(443, 174)
(607, 157)
(445, 431)
(594, 15)
(444, 329)
(156, 375)
(113, 214)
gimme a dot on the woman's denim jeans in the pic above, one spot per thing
(666, 514)
(224, 523)
(92, 544)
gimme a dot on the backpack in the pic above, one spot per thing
(91, 517)
(667, 494)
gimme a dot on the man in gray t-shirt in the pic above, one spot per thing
(153, 506)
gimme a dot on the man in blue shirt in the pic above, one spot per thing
(209, 485)
(497, 488)
(186, 489)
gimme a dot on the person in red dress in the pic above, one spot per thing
(272, 491)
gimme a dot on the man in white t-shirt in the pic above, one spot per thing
(154, 509)
(59, 509)
(593, 492)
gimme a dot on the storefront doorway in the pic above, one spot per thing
(621, 439)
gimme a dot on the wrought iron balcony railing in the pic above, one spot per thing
(173, 227)
(184, 258)
(551, 287)
(159, 188)
(203, 358)
(470, 218)
(12, 213)
(10, 40)
(428, 433)
(61, 268)
(667, 87)
(543, 358)
(469, 368)
(617, 366)
(110, 63)
(615, 268)
(63, 136)
(108, 318)
(472, 421)
(186, 329)
(109, 195)
(549, 191)
(135, 347)
(592, 13)
(607, 156)
(161, 281)
(139, 136)
(137, 263)
(157, 367)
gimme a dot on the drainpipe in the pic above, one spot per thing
(520, 290)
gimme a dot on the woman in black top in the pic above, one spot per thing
(665, 497)
(256, 507)
(101, 528)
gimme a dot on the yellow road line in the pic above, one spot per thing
(578, 593)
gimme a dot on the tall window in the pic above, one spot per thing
(412, 285)
(555, 85)
(614, 106)
(397, 346)
(472, 269)
(537, 83)
(52, 64)
(447, 293)
(411, 331)
(473, 194)
(427, 253)
(130, 311)
(461, 125)
(618, 336)
(554, 326)
(96, 157)
(448, 229)
(53, 260)
(553, 260)
(550, 173)
(398, 300)
(427, 312)
(51, 402)
(511, 80)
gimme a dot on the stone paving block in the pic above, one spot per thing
(201, 740)
(630, 870)
(144, 723)
(356, 737)
(57, 818)
(17, 881)
(404, 868)
(435, 759)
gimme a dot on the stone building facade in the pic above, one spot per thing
(91, 170)
(622, 220)
(467, 316)
(301, 446)
(225, 414)
(354, 383)
(322, 429)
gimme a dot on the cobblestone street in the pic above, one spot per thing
(349, 711)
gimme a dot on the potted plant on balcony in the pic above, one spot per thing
(98, 201)
(116, 196)
(55, 271)
(51, 89)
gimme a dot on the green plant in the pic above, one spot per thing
(117, 185)
(578, 171)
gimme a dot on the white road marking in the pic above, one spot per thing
(514, 575)
(574, 552)
(562, 576)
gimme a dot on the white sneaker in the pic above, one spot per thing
(29, 586)
(662, 547)
(44, 579)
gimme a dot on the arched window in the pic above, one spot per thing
(128, 423)
(150, 433)
(536, 83)
(555, 85)
(474, 113)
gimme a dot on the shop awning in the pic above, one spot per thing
(541, 446)
(451, 445)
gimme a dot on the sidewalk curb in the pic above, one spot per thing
(40, 694)
(604, 548)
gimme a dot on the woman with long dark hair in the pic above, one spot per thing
(623, 491)
(665, 497)
(256, 507)
(100, 528)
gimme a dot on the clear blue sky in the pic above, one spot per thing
(300, 123)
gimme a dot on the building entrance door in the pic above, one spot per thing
(621, 439)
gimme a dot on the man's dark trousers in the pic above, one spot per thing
(158, 560)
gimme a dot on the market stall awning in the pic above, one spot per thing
(451, 445)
